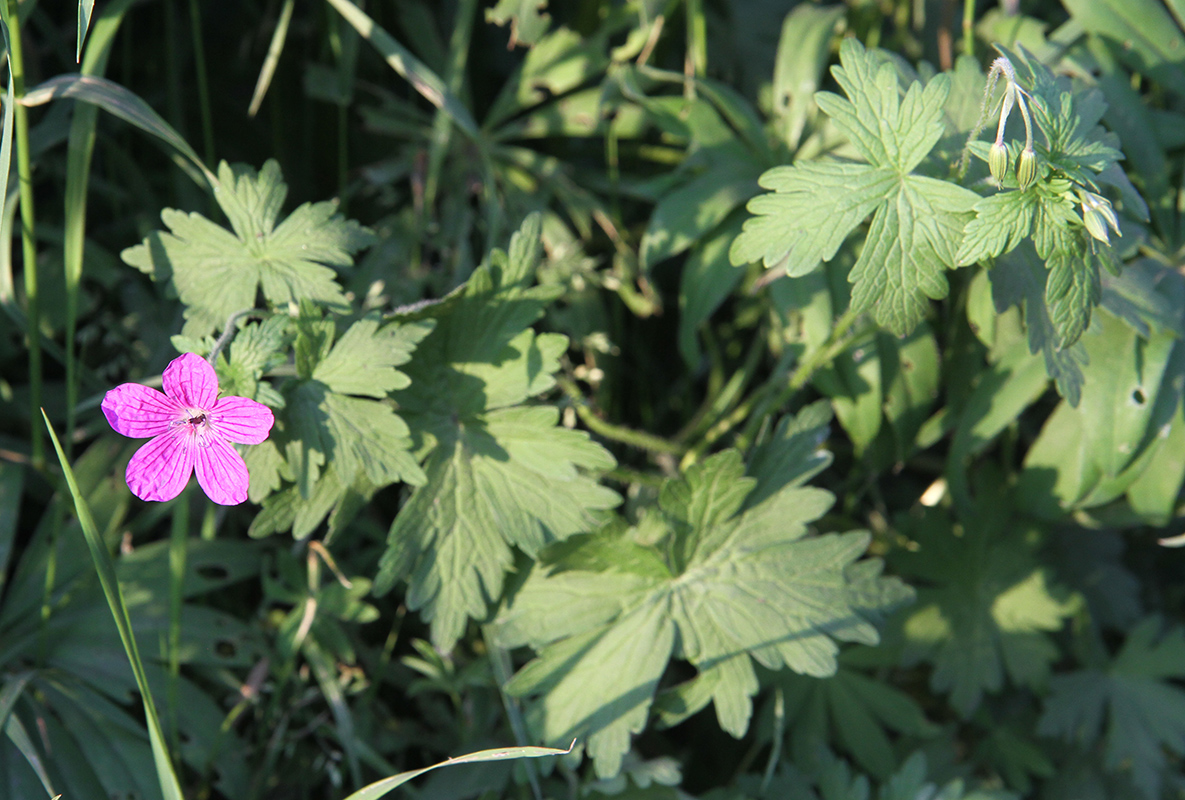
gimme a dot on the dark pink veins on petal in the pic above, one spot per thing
(191, 381)
(139, 412)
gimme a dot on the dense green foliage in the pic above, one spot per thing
(751, 399)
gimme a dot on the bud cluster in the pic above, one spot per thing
(1014, 95)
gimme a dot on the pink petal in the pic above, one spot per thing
(221, 472)
(139, 412)
(241, 420)
(160, 469)
(190, 380)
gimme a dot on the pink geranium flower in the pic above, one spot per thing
(191, 428)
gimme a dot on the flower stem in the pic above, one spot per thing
(618, 433)
(968, 27)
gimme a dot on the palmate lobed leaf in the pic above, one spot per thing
(989, 607)
(917, 221)
(499, 474)
(1144, 712)
(723, 585)
(334, 445)
(217, 272)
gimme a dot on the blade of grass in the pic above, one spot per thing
(85, 7)
(272, 59)
(379, 788)
(12, 481)
(178, 550)
(326, 675)
(20, 739)
(79, 151)
(105, 568)
(115, 99)
(24, 166)
(203, 83)
(11, 693)
(400, 59)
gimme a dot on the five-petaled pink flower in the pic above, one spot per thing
(191, 428)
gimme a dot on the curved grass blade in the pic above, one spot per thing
(379, 788)
(400, 59)
(105, 567)
(279, 36)
(21, 741)
(115, 99)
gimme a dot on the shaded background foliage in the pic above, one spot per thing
(552, 460)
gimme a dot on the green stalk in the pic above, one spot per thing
(618, 433)
(697, 39)
(968, 27)
(203, 87)
(24, 170)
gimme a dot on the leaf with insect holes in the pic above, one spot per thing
(500, 474)
(917, 222)
(217, 272)
(702, 578)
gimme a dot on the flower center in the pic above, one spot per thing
(196, 423)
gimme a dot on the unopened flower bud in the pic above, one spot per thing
(1097, 214)
(998, 162)
(1026, 169)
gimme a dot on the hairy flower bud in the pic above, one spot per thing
(998, 162)
(1026, 169)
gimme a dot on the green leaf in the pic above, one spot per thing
(363, 360)
(911, 243)
(803, 49)
(1143, 33)
(855, 711)
(988, 607)
(694, 208)
(1002, 221)
(499, 474)
(527, 18)
(853, 382)
(217, 272)
(358, 435)
(509, 478)
(917, 221)
(256, 348)
(736, 582)
(1123, 381)
(1019, 279)
(1144, 713)
(793, 454)
(795, 228)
